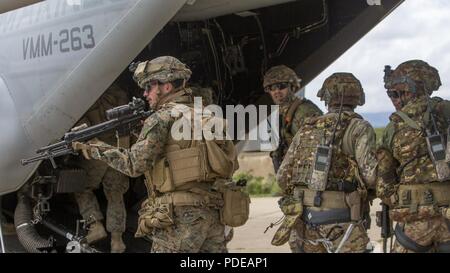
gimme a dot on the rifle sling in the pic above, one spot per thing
(408, 243)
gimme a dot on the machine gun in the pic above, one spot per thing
(278, 155)
(121, 119)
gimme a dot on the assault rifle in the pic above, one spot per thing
(278, 154)
(384, 221)
(122, 119)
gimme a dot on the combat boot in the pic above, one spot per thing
(96, 233)
(117, 244)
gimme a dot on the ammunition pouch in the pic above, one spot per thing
(331, 206)
(158, 212)
(420, 201)
(204, 162)
(236, 207)
(178, 168)
(437, 193)
(314, 216)
(328, 199)
(153, 215)
(408, 243)
(292, 208)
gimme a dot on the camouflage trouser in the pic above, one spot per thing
(427, 232)
(295, 243)
(115, 185)
(356, 242)
(196, 230)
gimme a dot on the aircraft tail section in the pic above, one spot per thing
(58, 57)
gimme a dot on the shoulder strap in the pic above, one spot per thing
(347, 141)
(411, 123)
(292, 109)
(171, 97)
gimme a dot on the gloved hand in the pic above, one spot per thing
(84, 148)
(79, 128)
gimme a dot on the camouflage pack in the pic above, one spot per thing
(317, 131)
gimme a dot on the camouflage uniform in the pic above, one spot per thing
(322, 217)
(174, 226)
(292, 113)
(207, 95)
(407, 178)
(115, 184)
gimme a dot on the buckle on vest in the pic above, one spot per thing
(406, 197)
(318, 199)
(427, 197)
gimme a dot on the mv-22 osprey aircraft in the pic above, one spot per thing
(57, 57)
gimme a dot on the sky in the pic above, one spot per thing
(417, 29)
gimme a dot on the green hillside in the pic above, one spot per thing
(379, 132)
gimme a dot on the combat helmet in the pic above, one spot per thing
(281, 74)
(342, 84)
(419, 77)
(162, 69)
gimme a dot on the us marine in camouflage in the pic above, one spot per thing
(282, 83)
(182, 211)
(327, 173)
(412, 175)
(115, 184)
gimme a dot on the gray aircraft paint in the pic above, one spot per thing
(44, 95)
(46, 88)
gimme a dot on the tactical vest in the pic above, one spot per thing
(188, 164)
(319, 130)
(410, 146)
(420, 192)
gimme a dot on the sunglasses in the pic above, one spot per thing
(276, 86)
(151, 84)
(393, 94)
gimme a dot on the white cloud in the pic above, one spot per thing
(417, 29)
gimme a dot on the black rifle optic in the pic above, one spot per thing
(122, 119)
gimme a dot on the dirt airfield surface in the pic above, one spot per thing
(251, 238)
